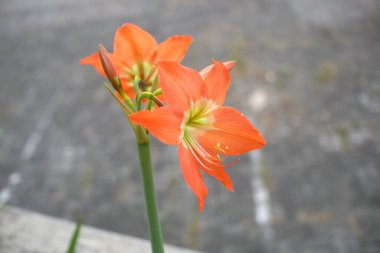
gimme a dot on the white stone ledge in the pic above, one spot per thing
(23, 231)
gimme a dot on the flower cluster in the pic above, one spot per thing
(176, 104)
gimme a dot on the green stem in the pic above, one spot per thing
(150, 198)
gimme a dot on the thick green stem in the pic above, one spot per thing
(150, 198)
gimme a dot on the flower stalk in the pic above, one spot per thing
(142, 138)
(150, 198)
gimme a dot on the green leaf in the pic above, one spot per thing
(75, 236)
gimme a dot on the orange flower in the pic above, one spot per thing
(195, 120)
(135, 52)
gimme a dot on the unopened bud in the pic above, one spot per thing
(108, 68)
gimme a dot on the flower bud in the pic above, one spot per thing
(108, 68)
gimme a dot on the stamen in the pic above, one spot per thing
(198, 120)
(201, 155)
(222, 157)
(219, 149)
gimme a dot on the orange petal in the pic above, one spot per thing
(133, 43)
(174, 48)
(222, 176)
(212, 165)
(128, 88)
(94, 60)
(228, 64)
(180, 84)
(217, 82)
(233, 133)
(163, 123)
(118, 63)
(192, 175)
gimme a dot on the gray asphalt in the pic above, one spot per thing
(308, 76)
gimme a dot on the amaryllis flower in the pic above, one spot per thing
(195, 120)
(134, 54)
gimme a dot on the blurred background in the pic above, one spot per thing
(308, 76)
